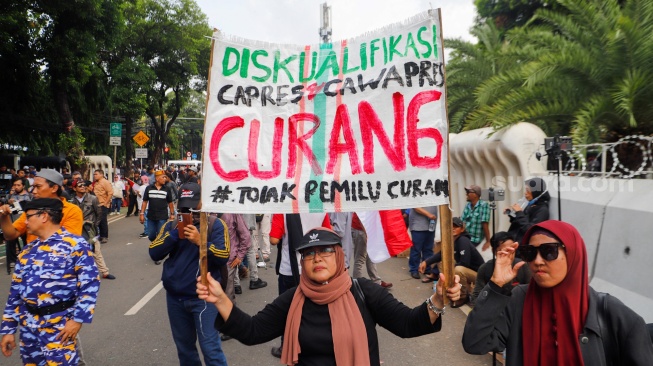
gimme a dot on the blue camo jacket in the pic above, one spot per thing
(58, 269)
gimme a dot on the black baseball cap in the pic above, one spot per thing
(457, 221)
(319, 236)
(51, 204)
(189, 195)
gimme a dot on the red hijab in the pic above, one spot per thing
(553, 318)
(347, 326)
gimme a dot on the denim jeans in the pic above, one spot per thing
(192, 319)
(153, 227)
(116, 203)
(421, 250)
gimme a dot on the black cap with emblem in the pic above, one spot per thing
(319, 236)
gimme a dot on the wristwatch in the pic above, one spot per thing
(433, 308)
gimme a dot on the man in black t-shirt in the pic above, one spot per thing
(157, 202)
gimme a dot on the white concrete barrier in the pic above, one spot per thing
(99, 162)
(503, 160)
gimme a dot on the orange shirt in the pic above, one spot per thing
(72, 220)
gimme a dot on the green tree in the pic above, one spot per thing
(470, 65)
(174, 45)
(587, 71)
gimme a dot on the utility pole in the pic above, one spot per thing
(325, 23)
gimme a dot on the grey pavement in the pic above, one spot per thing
(144, 338)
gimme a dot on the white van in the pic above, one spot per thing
(184, 163)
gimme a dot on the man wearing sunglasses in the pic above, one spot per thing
(92, 212)
(53, 290)
(476, 216)
(47, 184)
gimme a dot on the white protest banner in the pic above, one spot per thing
(355, 125)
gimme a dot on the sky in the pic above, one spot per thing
(298, 21)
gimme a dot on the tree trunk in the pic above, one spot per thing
(129, 147)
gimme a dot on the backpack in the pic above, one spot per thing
(224, 271)
(90, 233)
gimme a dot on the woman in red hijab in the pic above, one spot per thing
(557, 319)
(326, 320)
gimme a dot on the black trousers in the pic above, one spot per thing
(104, 225)
(13, 248)
(132, 205)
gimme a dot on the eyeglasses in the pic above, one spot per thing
(324, 252)
(27, 216)
(548, 251)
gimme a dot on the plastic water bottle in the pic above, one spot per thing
(435, 285)
(522, 202)
(432, 225)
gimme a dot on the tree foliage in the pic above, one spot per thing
(584, 69)
(588, 71)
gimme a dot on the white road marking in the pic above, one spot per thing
(145, 299)
(130, 243)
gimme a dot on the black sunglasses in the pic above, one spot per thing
(548, 251)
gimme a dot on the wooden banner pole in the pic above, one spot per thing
(446, 223)
(204, 265)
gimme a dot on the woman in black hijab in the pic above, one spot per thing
(536, 210)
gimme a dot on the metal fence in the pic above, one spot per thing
(627, 158)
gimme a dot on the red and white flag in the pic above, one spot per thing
(387, 235)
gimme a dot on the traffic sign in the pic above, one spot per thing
(140, 153)
(194, 156)
(141, 138)
(114, 141)
(188, 154)
(115, 129)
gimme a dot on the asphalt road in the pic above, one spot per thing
(130, 326)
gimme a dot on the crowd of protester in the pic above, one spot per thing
(322, 270)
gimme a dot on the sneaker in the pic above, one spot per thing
(142, 235)
(276, 352)
(386, 284)
(127, 215)
(238, 290)
(253, 285)
(104, 240)
(415, 275)
(266, 258)
(109, 276)
(260, 264)
(224, 337)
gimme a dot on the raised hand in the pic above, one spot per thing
(504, 272)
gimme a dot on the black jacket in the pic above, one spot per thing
(315, 336)
(495, 323)
(464, 253)
(531, 215)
